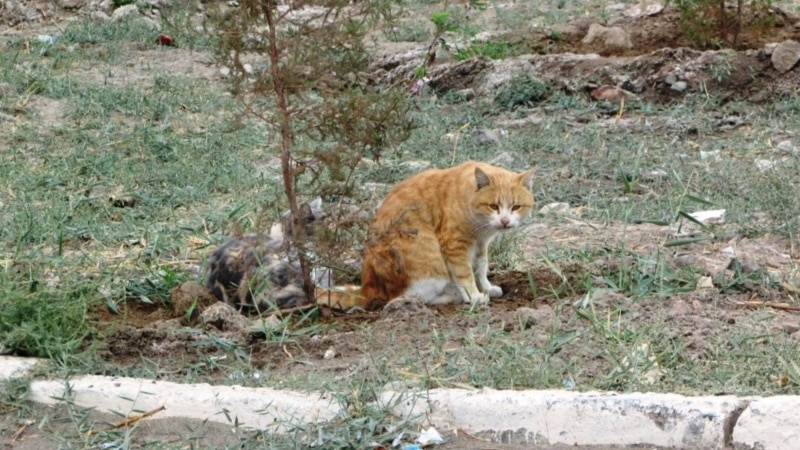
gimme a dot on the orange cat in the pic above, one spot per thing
(431, 234)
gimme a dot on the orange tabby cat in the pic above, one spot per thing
(431, 234)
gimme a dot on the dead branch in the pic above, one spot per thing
(138, 417)
(774, 305)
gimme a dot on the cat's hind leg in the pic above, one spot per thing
(429, 276)
(433, 291)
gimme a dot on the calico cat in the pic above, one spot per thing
(255, 272)
(431, 234)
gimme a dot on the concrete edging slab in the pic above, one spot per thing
(541, 417)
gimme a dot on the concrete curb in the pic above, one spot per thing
(258, 408)
(533, 417)
(578, 418)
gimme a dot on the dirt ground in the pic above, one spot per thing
(157, 334)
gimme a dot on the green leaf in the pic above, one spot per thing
(698, 200)
(688, 217)
(679, 242)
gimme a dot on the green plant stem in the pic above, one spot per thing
(286, 144)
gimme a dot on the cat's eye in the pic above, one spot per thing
(494, 207)
(515, 207)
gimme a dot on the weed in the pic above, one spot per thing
(36, 320)
(408, 32)
(493, 50)
(156, 287)
(521, 90)
(709, 22)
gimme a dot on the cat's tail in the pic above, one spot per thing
(341, 297)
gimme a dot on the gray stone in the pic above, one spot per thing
(610, 38)
(644, 9)
(124, 11)
(679, 86)
(504, 159)
(786, 55)
(224, 317)
(71, 4)
(99, 16)
(485, 136)
(554, 208)
(529, 317)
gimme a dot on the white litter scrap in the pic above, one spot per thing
(713, 154)
(709, 217)
(430, 437)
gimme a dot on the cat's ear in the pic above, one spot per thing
(525, 178)
(316, 204)
(306, 211)
(481, 179)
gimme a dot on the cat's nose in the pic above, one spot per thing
(505, 221)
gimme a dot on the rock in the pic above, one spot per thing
(608, 298)
(643, 10)
(224, 317)
(565, 173)
(769, 49)
(416, 165)
(157, 3)
(71, 4)
(504, 159)
(611, 93)
(554, 208)
(330, 353)
(680, 308)
(786, 55)
(711, 154)
(485, 136)
(786, 146)
(764, 165)
(189, 299)
(685, 260)
(99, 16)
(653, 175)
(467, 94)
(124, 11)
(679, 86)
(106, 6)
(611, 38)
(263, 324)
(745, 266)
(529, 317)
(705, 283)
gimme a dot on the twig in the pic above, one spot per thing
(19, 432)
(285, 350)
(281, 313)
(775, 305)
(138, 417)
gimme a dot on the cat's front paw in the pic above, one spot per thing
(476, 297)
(480, 299)
(495, 291)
